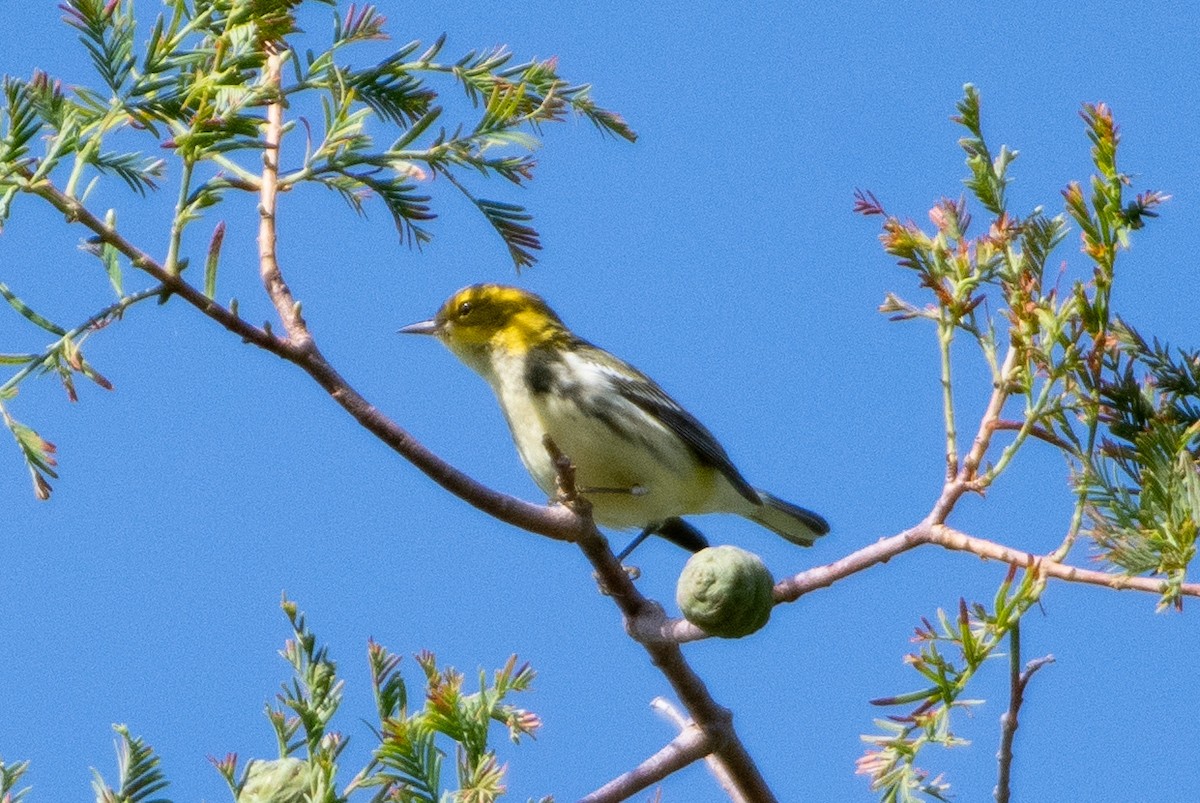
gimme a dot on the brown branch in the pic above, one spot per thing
(556, 521)
(792, 588)
(983, 437)
(664, 707)
(1041, 433)
(989, 550)
(272, 278)
(552, 521)
(75, 212)
(645, 617)
(642, 616)
(691, 744)
(1018, 680)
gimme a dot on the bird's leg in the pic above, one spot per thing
(642, 536)
(675, 530)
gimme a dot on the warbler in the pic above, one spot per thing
(640, 458)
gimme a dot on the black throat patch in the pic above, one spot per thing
(539, 370)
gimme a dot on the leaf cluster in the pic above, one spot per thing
(1066, 370)
(63, 357)
(1143, 484)
(951, 652)
(407, 765)
(139, 776)
(1117, 406)
(514, 101)
(198, 88)
(10, 779)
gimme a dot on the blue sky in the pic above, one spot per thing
(720, 255)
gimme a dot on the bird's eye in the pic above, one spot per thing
(464, 309)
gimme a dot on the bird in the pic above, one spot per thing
(640, 458)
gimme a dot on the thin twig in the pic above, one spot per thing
(983, 438)
(94, 321)
(1041, 433)
(664, 707)
(990, 550)
(945, 340)
(272, 278)
(76, 212)
(792, 588)
(1018, 680)
(691, 744)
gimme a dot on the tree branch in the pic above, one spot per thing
(989, 550)
(556, 521)
(691, 744)
(645, 617)
(76, 212)
(664, 707)
(792, 588)
(1041, 433)
(711, 730)
(983, 438)
(945, 339)
(268, 263)
(1008, 720)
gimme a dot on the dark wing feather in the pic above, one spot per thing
(647, 395)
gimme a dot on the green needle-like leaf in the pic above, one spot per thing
(107, 31)
(138, 172)
(213, 261)
(10, 777)
(34, 318)
(21, 123)
(138, 773)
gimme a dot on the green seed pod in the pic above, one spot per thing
(284, 780)
(725, 591)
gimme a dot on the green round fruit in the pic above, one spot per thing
(725, 591)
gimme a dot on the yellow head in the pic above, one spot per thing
(482, 319)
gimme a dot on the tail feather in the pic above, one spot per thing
(796, 524)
